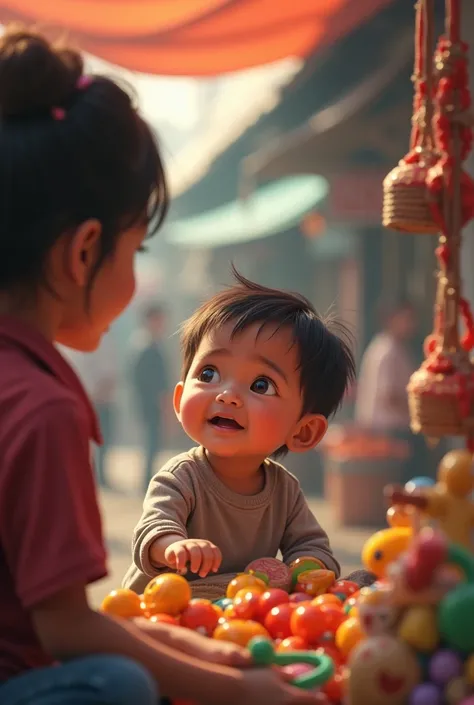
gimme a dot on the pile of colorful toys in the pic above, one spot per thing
(408, 638)
(311, 613)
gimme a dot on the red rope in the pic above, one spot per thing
(453, 20)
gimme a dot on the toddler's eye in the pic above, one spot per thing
(263, 385)
(209, 374)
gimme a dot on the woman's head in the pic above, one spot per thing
(81, 180)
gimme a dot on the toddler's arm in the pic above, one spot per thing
(168, 503)
(304, 536)
(160, 538)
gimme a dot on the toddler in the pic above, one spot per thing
(262, 373)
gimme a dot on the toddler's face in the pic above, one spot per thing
(242, 395)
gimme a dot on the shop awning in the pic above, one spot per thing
(324, 144)
(272, 209)
(187, 37)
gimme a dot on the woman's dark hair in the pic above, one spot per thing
(70, 149)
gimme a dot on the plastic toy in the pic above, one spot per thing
(239, 632)
(383, 670)
(384, 547)
(315, 582)
(167, 593)
(264, 654)
(312, 622)
(245, 580)
(302, 565)
(201, 616)
(449, 501)
(123, 603)
(277, 573)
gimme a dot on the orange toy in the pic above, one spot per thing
(123, 603)
(448, 502)
(240, 632)
(168, 594)
(245, 580)
(348, 635)
(315, 582)
(327, 599)
(400, 516)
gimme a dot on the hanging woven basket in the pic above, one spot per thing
(442, 404)
(406, 200)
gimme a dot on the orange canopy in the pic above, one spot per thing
(195, 37)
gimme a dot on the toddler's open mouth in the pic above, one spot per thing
(225, 422)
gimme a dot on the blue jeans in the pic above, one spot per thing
(93, 680)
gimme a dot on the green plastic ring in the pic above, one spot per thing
(263, 654)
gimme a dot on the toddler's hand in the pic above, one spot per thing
(200, 556)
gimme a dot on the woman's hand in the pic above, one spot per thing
(194, 644)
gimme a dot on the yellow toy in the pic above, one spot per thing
(384, 547)
(448, 502)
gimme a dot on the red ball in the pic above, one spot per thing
(201, 617)
(344, 588)
(293, 643)
(164, 619)
(333, 616)
(306, 623)
(270, 599)
(334, 687)
(247, 606)
(312, 622)
(331, 650)
(297, 597)
(277, 621)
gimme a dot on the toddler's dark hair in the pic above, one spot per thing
(326, 360)
(68, 152)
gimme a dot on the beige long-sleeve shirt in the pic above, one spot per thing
(186, 498)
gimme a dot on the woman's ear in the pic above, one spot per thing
(177, 396)
(82, 251)
(307, 433)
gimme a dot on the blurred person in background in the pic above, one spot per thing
(385, 371)
(381, 395)
(99, 374)
(150, 381)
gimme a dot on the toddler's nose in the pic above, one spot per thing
(229, 396)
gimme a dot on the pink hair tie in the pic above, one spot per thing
(83, 82)
(58, 113)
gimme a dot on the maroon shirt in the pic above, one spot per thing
(50, 526)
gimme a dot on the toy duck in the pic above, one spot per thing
(449, 501)
(384, 547)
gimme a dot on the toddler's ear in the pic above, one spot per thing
(177, 396)
(307, 433)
